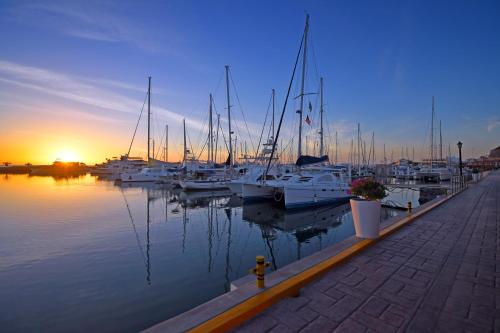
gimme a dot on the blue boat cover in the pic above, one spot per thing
(306, 159)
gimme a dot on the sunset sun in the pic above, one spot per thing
(67, 156)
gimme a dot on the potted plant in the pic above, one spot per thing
(366, 207)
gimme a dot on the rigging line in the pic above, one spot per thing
(220, 127)
(202, 148)
(311, 42)
(223, 137)
(219, 82)
(285, 104)
(264, 125)
(201, 133)
(159, 150)
(241, 110)
(190, 145)
(137, 125)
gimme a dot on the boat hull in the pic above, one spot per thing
(300, 197)
(203, 185)
(236, 188)
(126, 178)
(257, 192)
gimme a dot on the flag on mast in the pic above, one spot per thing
(308, 120)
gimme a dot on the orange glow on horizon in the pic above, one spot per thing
(67, 155)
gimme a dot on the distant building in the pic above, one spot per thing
(495, 153)
(486, 163)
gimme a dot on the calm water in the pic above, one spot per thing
(86, 255)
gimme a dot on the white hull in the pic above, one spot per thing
(202, 185)
(235, 187)
(139, 178)
(297, 196)
(257, 192)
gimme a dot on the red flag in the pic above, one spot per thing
(308, 120)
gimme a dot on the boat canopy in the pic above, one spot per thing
(306, 159)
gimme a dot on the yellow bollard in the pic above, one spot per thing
(259, 270)
(409, 207)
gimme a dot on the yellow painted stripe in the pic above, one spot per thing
(259, 302)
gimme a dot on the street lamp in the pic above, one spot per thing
(459, 144)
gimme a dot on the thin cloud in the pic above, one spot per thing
(492, 124)
(78, 90)
(92, 21)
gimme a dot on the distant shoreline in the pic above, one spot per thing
(57, 168)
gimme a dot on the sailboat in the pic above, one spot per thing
(314, 183)
(212, 176)
(432, 173)
(253, 170)
(156, 170)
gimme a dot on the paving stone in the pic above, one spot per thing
(307, 314)
(343, 308)
(291, 319)
(335, 293)
(392, 318)
(350, 326)
(353, 279)
(281, 329)
(375, 306)
(407, 272)
(457, 306)
(258, 324)
(320, 325)
(295, 303)
(373, 323)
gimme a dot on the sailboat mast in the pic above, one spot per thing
(321, 148)
(359, 151)
(217, 138)
(149, 117)
(166, 143)
(440, 144)
(336, 148)
(231, 158)
(274, 98)
(210, 133)
(373, 148)
(432, 133)
(185, 143)
(304, 63)
(385, 157)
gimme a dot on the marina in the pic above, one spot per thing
(278, 166)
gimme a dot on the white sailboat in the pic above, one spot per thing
(432, 172)
(306, 187)
(151, 173)
(211, 177)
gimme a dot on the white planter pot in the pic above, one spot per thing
(366, 216)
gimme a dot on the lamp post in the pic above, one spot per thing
(459, 144)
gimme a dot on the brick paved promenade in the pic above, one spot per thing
(440, 273)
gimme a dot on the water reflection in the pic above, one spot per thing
(131, 255)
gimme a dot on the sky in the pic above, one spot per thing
(73, 75)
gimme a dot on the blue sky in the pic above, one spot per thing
(84, 66)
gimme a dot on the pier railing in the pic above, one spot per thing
(458, 183)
